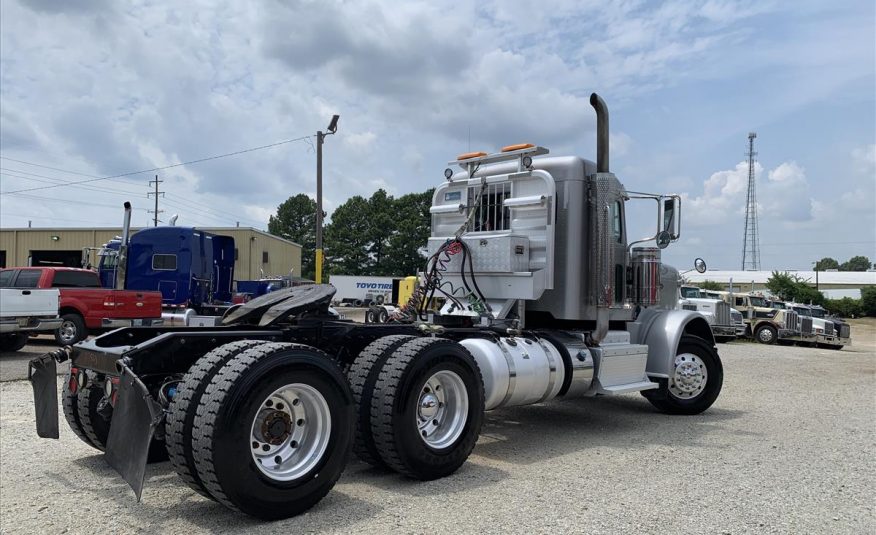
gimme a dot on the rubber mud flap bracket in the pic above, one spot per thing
(135, 417)
(42, 373)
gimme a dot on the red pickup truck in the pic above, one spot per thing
(85, 306)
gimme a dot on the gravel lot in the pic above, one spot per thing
(787, 448)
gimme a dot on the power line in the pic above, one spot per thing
(154, 169)
(186, 204)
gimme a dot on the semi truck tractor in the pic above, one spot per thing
(193, 269)
(717, 312)
(543, 295)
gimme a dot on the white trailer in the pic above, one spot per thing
(359, 290)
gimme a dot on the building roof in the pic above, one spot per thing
(845, 278)
(215, 230)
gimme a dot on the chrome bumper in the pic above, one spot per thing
(30, 325)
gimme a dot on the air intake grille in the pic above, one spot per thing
(828, 328)
(722, 313)
(807, 325)
(791, 320)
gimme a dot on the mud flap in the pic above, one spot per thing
(135, 417)
(42, 374)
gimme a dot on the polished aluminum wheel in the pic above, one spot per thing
(690, 377)
(68, 332)
(290, 432)
(442, 409)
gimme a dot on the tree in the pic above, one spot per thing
(412, 226)
(856, 263)
(382, 225)
(845, 307)
(712, 285)
(826, 263)
(783, 285)
(868, 300)
(296, 221)
(792, 288)
(347, 239)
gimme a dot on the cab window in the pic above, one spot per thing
(740, 301)
(164, 262)
(5, 278)
(28, 278)
(617, 227)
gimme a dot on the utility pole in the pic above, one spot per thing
(320, 139)
(156, 193)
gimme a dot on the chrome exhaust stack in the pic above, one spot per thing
(122, 263)
(602, 257)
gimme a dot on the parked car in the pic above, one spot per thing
(84, 305)
(23, 312)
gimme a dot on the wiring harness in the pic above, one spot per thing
(466, 297)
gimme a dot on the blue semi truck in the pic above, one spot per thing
(193, 269)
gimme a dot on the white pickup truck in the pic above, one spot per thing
(23, 311)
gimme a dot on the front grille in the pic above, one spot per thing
(791, 320)
(845, 330)
(688, 306)
(722, 313)
(828, 328)
(806, 325)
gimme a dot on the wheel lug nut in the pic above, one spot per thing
(269, 403)
(265, 447)
(279, 406)
(255, 445)
(278, 459)
(435, 422)
(294, 443)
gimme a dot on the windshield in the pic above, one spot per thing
(817, 313)
(758, 301)
(108, 258)
(778, 305)
(690, 292)
(803, 311)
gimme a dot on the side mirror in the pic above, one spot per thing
(700, 265)
(670, 216)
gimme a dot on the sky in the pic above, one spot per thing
(101, 88)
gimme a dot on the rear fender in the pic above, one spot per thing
(661, 331)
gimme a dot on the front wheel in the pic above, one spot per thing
(766, 334)
(427, 408)
(274, 430)
(694, 382)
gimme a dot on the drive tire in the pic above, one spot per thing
(363, 376)
(13, 342)
(766, 334)
(70, 408)
(72, 329)
(223, 429)
(665, 400)
(97, 428)
(182, 409)
(398, 393)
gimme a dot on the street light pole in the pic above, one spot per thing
(320, 139)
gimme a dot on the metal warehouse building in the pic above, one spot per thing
(834, 284)
(255, 252)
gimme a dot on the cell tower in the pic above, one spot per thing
(750, 240)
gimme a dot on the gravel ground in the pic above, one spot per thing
(787, 448)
